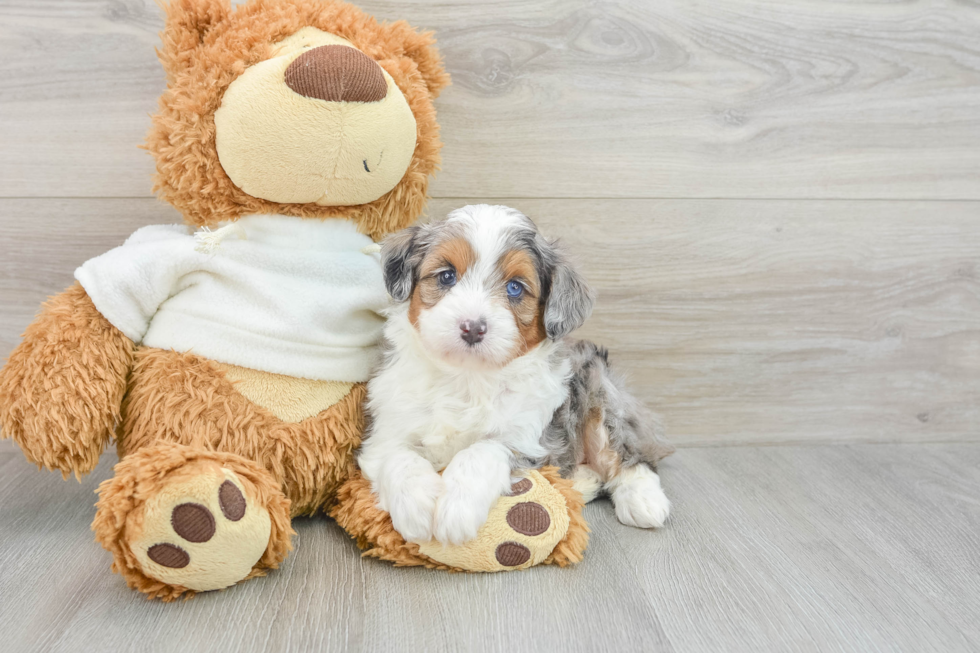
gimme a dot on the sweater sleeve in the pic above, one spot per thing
(129, 283)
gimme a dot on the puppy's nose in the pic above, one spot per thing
(473, 331)
(337, 73)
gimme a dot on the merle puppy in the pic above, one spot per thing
(479, 379)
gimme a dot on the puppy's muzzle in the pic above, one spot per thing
(473, 331)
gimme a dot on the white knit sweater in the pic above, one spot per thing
(273, 293)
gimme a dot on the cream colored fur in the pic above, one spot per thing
(322, 156)
(220, 562)
(289, 398)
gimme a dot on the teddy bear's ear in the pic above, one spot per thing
(420, 47)
(187, 23)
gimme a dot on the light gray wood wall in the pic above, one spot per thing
(779, 203)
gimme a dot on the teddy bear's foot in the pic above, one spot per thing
(522, 530)
(180, 520)
(200, 531)
(539, 522)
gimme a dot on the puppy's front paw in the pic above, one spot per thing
(413, 508)
(458, 519)
(642, 504)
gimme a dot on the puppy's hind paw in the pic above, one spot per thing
(641, 504)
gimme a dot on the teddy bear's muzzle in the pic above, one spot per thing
(337, 73)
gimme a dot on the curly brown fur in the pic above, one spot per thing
(207, 45)
(186, 399)
(62, 386)
(572, 547)
(181, 410)
(143, 473)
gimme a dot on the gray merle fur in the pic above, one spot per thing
(635, 433)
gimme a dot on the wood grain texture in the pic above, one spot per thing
(568, 98)
(832, 548)
(742, 321)
(786, 321)
(43, 241)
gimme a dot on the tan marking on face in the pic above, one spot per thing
(595, 440)
(528, 313)
(455, 253)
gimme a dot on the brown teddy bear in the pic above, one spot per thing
(227, 356)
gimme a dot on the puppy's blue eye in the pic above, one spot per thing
(514, 289)
(447, 278)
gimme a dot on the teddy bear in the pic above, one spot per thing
(227, 356)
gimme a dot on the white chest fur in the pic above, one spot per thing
(440, 410)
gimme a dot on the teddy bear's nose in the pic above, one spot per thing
(337, 73)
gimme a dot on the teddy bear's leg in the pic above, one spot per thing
(182, 519)
(539, 522)
(188, 426)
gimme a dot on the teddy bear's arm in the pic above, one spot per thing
(61, 389)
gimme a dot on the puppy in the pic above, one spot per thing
(478, 379)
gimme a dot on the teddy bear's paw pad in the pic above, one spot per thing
(202, 532)
(522, 530)
(521, 487)
(512, 554)
(529, 518)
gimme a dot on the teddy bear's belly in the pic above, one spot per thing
(288, 398)
(190, 400)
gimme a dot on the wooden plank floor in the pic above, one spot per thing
(829, 548)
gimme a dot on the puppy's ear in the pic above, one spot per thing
(570, 300)
(400, 258)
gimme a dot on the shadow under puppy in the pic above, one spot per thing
(478, 379)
